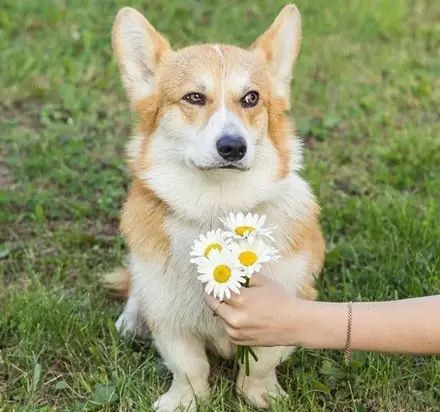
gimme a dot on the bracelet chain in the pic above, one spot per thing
(347, 349)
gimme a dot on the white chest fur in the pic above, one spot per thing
(171, 295)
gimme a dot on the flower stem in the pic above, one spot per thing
(242, 355)
(253, 354)
(247, 366)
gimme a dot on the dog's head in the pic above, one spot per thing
(214, 109)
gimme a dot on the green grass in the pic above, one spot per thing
(365, 98)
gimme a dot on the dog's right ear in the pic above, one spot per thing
(138, 48)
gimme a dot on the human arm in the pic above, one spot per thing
(266, 315)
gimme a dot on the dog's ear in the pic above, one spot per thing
(138, 48)
(280, 45)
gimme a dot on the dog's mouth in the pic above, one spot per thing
(225, 167)
(231, 167)
(236, 167)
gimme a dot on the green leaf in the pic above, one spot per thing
(36, 376)
(39, 213)
(60, 386)
(4, 251)
(104, 394)
(320, 387)
(329, 369)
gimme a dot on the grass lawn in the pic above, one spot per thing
(366, 96)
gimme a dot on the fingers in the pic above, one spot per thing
(211, 302)
(221, 308)
(242, 299)
(231, 314)
(235, 321)
(234, 334)
(237, 299)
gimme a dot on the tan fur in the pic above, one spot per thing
(280, 128)
(148, 118)
(186, 70)
(117, 282)
(180, 187)
(307, 237)
(142, 221)
(175, 79)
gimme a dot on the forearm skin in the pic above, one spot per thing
(405, 326)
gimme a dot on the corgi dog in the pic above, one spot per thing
(212, 137)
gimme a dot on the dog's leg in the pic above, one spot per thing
(130, 323)
(185, 356)
(262, 384)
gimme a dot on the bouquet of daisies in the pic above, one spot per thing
(227, 258)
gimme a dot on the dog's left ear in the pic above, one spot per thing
(280, 45)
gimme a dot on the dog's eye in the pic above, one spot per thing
(195, 98)
(250, 99)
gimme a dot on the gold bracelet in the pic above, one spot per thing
(347, 349)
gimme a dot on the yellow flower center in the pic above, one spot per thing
(222, 273)
(247, 258)
(212, 246)
(241, 230)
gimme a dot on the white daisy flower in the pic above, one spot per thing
(213, 240)
(241, 226)
(220, 274)
(251, 253)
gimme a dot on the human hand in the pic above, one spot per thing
(262, 315)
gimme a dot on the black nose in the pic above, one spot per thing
(231, 147)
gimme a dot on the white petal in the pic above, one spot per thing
(262, 220)
(240, 218)
(199, 260)
(227, 293)
(254, 219)
(235, 289)
(203, 264)
(209, 288)
(214, 290)
(220, 294)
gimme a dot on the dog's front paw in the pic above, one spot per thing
(126, 325)
(175, 401)
(260, 392)
(129, 326)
